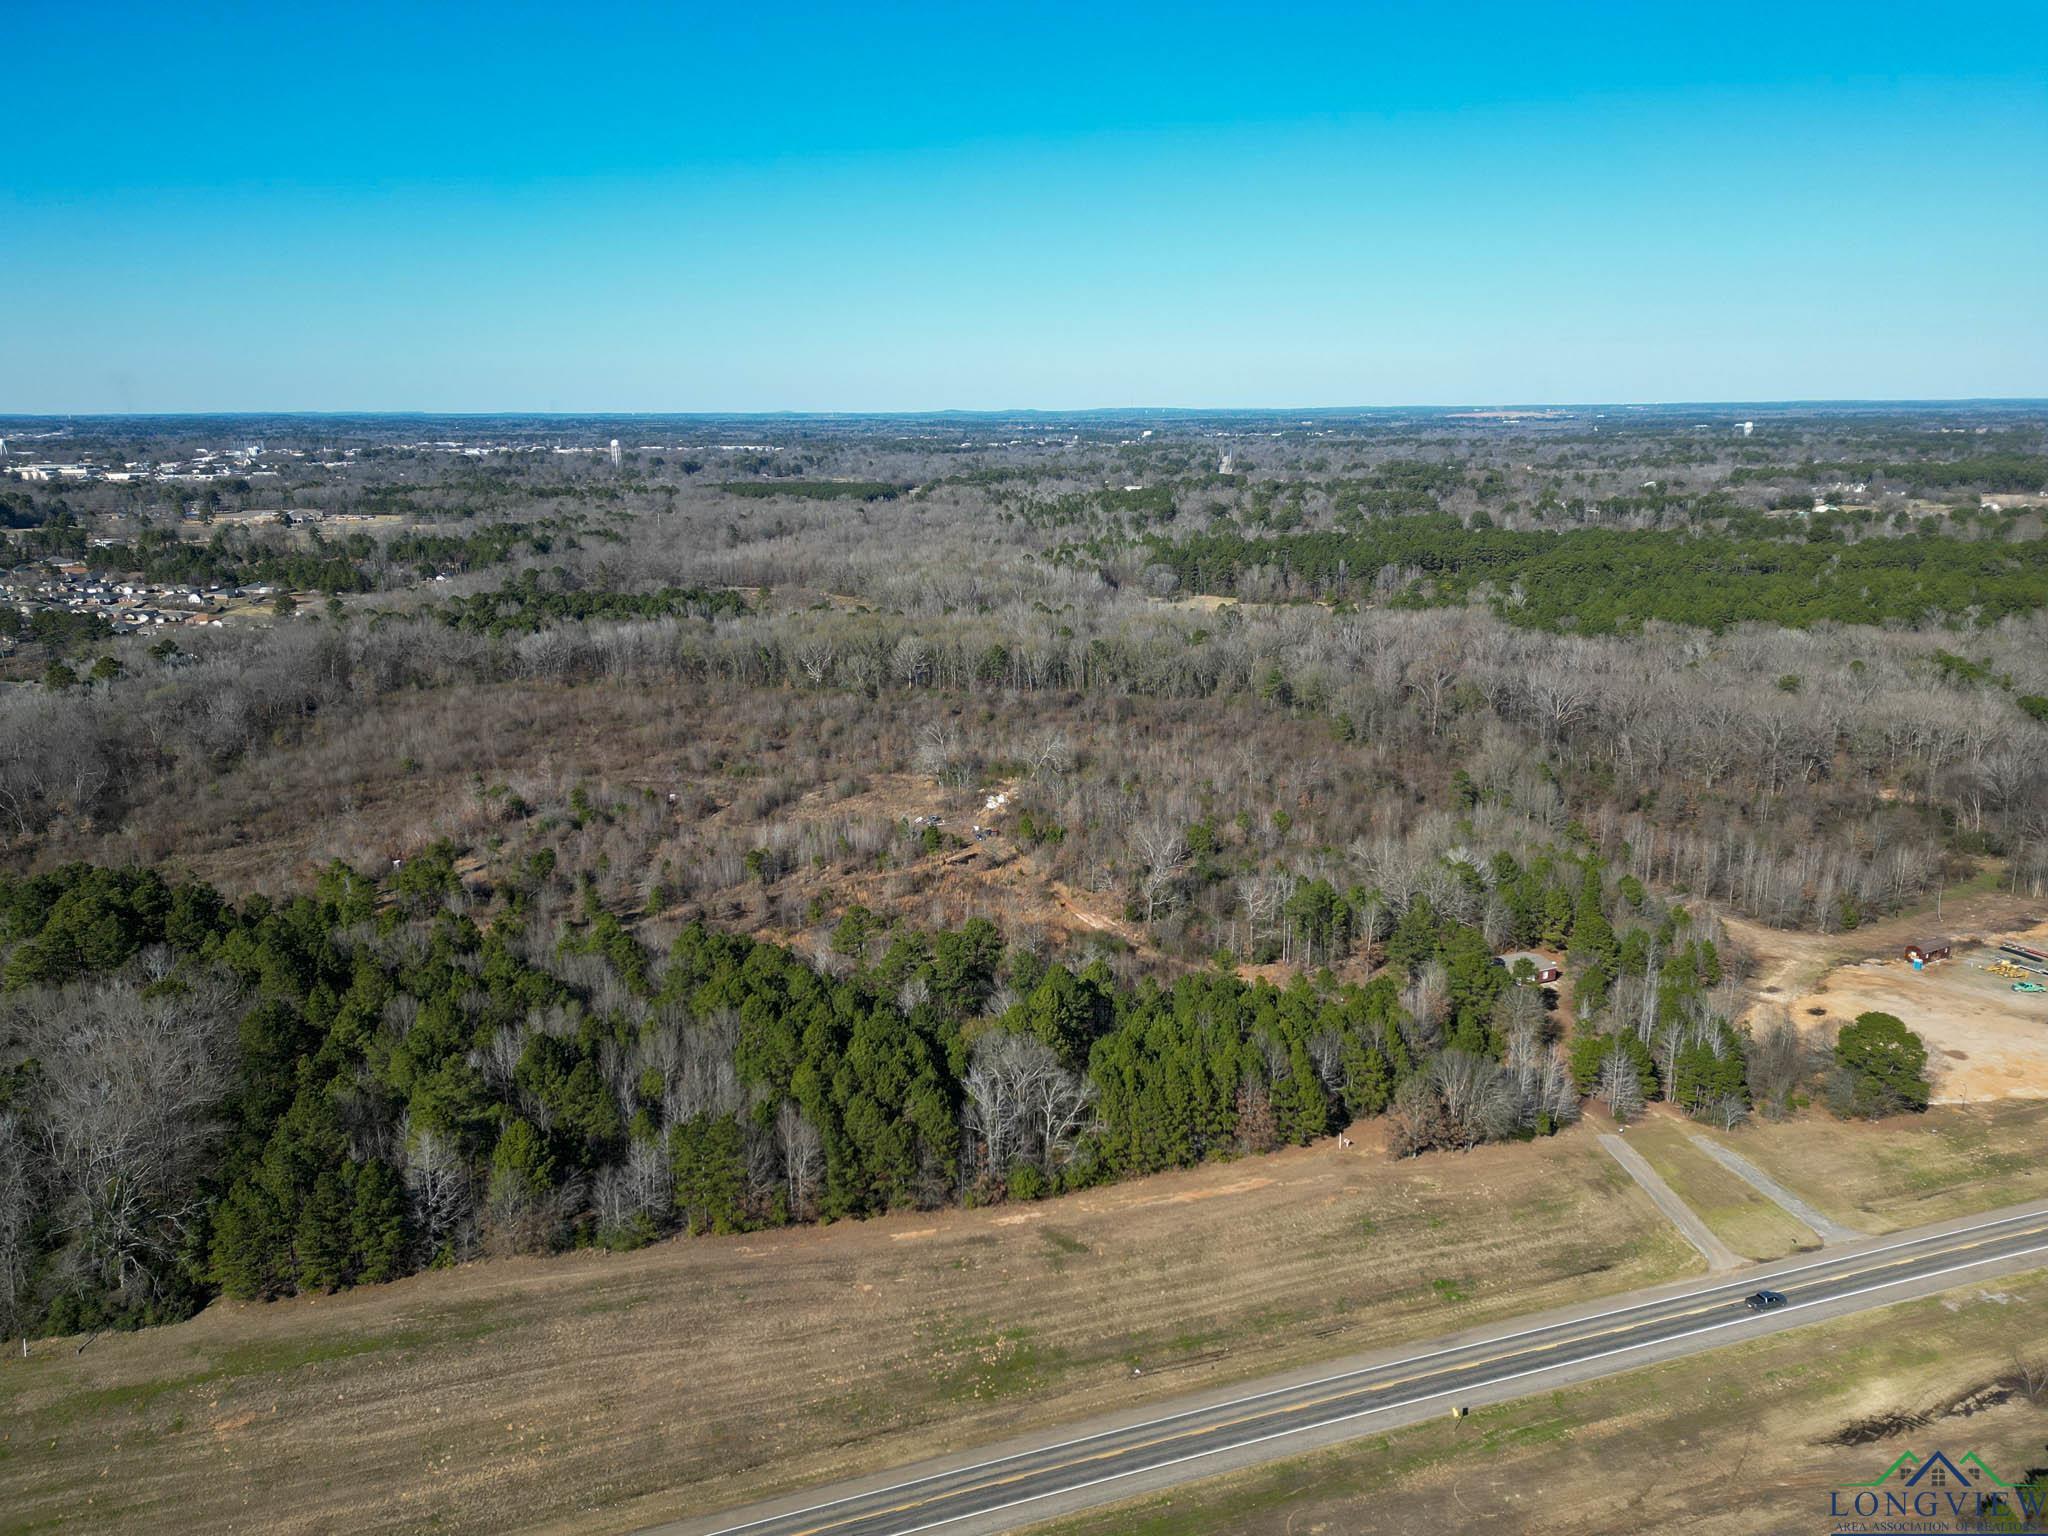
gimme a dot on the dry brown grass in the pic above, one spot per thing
(1909, 1170)
(1737, 1443)
(1742, 1218)
(602, 1392)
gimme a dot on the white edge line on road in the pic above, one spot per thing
(1835, 1259)
(1408, 1402)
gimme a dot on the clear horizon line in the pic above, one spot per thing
(1042, 410)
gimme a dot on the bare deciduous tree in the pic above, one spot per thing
(911, 661)
(1022, 1105)
(1052, 754)
(17, 1212)
(815, 656)
(1620, 1087)
(1163, 846)
(129, 1092)
(938, 748)
(1778, 1062)
(803, 1160)
(439, 1198)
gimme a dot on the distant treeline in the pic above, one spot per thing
(816, 490)
(58, 629)
(351, 563)
(19, 510)
(2019, 472)
(1599, 581)
(232, 557)
(430, 553)
(528, 605)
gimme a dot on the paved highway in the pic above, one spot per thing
(997, 1492)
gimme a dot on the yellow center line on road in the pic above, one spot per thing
(1305, 1405)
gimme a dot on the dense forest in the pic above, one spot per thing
(261, 1097)
(1601, 582)
(799, 821)
(534, 602)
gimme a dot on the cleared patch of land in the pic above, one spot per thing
(1984, 1040)
(1742, 1218)
(1752, 1438)
(990, 875)
(1788, 963)
(601, 1392)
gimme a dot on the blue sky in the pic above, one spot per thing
(896, 207)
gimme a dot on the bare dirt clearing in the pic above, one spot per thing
(1985, 1041)
(990, 875)
(1789, 963)
(605, 1392)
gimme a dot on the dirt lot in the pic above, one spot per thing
(1786, 964)
(1746, 1440)
(600, 1392)
(1985, 1041)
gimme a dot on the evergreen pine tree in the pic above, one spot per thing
(377, 1224)
(249, 1241)
(1301, 1108)
(325, 1236)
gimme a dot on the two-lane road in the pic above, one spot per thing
(1001, 1491)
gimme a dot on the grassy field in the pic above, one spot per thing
(598, 1392)
(1746, 1440)
(602, 1392)
(1907, 1171)
(1745, 1220)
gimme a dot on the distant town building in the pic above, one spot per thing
(1745, 427)
(615, 453)
(1225, 467)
